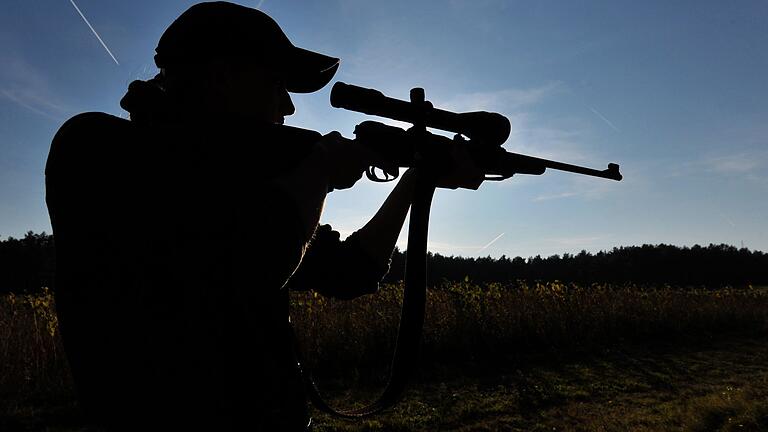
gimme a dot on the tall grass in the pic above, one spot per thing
(464, 321)
(32, 359)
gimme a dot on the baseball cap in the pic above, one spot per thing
(223, 30)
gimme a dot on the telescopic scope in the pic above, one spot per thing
(480, 126)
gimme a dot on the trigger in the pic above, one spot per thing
(392, 172)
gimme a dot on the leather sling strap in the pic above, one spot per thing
(405, 357)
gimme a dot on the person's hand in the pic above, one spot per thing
(346, 160)
(461, 171)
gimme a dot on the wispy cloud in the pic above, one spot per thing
(27, 87)
(258, 6)
(94, 32)
(739, 163)
(554, 139)
(28, 99)
(738, 149)
(748, 164)
(602, 117)
(503, 100)
(556, 196)
(583, 187)
(561, 139)
(549, 141)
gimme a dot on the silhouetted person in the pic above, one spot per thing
(179, 232)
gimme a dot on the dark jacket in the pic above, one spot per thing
(174, 251)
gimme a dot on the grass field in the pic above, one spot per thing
(720, 385)
(545, 356)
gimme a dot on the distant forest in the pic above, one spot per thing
(27, 264)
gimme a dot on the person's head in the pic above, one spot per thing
(223, 57)
(240, 88)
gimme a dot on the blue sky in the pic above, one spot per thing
(673, 91)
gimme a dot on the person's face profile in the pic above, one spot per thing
(258, 91)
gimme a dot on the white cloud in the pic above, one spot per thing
(31, 100)
(749, 164)
(547, 141)
(738, 149)
(25, 86)
(585, 187)
(556, 196)
(504, 101)
(740, 163)
(559, 139)
(556, 139)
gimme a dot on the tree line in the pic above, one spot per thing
(708, 266)
(29, 263)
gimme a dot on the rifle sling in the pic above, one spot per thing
(404, 358)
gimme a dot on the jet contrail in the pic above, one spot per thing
(727, 219)
(608, 122)
(94, 32)
(490, 242)
(258, 6)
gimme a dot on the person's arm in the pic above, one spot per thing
(328, 267)
(354, 267)
(378, 237)
(334, 162)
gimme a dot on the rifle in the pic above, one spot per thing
(483, 133)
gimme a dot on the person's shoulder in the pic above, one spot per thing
(92, 123)
(83, 137)
(86, 131)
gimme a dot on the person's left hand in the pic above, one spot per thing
(461, 172)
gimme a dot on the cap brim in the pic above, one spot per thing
(308, 71)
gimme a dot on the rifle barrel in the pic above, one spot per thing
(513, 163)
(612, 172)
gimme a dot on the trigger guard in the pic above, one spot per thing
(371, 174)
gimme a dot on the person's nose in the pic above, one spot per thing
(286, 104)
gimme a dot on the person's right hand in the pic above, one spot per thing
(346, 160)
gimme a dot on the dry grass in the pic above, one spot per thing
(717, 386)
(470, 328)
(466, 321)
(31, 353)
